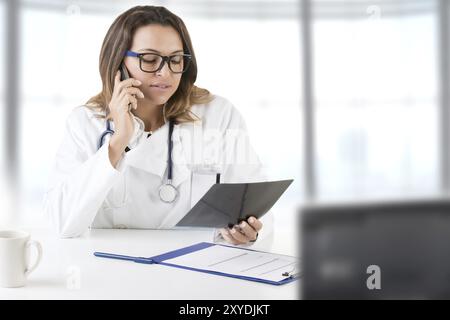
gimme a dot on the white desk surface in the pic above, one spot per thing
(69, 270)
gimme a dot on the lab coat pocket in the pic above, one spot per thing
(200, 184)
(117, 196)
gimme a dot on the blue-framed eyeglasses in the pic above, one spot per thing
(153, 62)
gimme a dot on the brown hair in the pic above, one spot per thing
(119, 39)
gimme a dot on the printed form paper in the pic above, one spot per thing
(247, 263)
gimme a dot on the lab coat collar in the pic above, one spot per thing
(151, 154)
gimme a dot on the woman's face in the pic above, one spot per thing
(163, 40)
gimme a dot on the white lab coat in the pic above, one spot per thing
(86, 191)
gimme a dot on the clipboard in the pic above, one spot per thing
(165, 257)
(230, 203)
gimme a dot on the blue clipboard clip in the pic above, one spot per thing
(292, 274)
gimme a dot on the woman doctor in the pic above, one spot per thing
(144, 150)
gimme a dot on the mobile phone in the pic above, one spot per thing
(123, 76)
(123, 72)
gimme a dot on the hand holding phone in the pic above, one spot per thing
(124, 97)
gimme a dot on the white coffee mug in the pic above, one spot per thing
(15, 257)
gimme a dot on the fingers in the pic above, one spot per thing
(255, 223)
(119, 85)
(248, 231)
(226, 235)
(124, 94)
(127, 101)
(234, 236)
(238, 235)
(134, 91)
(133, 101)
(129, 83)
(128, 95)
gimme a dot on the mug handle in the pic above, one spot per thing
(39, 256)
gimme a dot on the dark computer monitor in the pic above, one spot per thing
(398, 249)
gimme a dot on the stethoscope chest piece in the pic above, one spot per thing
(167, 192)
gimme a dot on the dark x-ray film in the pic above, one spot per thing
(230, 203)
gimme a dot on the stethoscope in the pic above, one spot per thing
(167, 191)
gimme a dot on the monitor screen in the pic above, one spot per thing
(378, 250)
